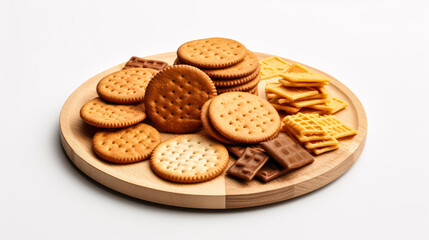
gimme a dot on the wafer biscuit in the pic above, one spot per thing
(189, 159)
(334, 127)
(304, 124)
(99, 113)
(287, 83)
(307, 102)
(131, 144)
(243, 117)
(319, 151)
(125, 86)
(247, 66)
(211, 52)
(175, 96)
(321, 143)
(308, 137)
(288, 109)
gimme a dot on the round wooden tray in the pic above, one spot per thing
(138, 180)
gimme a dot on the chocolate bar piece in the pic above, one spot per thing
(237, 150)
(270, 171)
(287, 152)
(136, 62)
(248, 164)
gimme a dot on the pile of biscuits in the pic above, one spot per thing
(293, 88)
(183, 99)
(229, 64)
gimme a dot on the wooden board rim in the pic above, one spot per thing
(211, 201)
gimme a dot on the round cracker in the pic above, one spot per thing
(174, 98)
(243, 117)
(240, 88)
(128, 145)
(249, 65)
(125, 86)
(208, 126)
(189, 159)
(235, 81)
(211, 52)
(99, 113)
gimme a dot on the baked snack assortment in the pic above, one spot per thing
(229, 64)
(212, 86)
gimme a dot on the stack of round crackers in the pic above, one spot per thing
(237, 118)
(227, 62)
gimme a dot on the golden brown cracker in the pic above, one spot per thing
(247, 66)
(175, 96)
(99, 113)
(128, 145)
(125, 86)
(211, 52)
(243, 117)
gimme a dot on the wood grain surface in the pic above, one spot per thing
(138, 180)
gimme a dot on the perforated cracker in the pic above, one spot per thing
(189, 159)
(125, 86)
(243, 117)
(208, 126)
(211, 52)
(175, 96)
(247, 66)
(99, 113)
(131, 144)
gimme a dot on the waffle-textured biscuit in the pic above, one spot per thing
(99, 113)
(125, 86)
(128, 145)
(240, 88)
(243, 117)
(136, 62)
(189, 159)
(175, 96)
(208, 126)
(247, 66)
(211, 52)
(335, 128)
(235, 81)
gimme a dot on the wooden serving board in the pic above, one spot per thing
(224, 192)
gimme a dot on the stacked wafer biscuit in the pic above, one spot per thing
(228, 63)
(293, 88)
(318, 133)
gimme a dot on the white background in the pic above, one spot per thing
(379, 49)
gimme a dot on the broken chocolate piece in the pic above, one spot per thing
(248, 164)
(270, 171)
(287, 152)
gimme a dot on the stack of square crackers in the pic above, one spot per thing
(293, 88)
